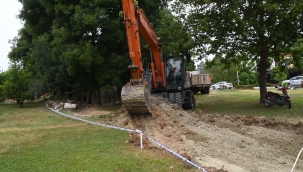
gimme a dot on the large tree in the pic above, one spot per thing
(234, 30)
(76, 46)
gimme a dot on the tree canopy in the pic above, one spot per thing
(16, 84)
(262, 31)
(78, 46)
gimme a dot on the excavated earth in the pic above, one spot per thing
(218, 142)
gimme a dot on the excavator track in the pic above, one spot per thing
(136, 99)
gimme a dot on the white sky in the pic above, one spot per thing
(9, 26)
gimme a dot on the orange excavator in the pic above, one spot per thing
(167, 77)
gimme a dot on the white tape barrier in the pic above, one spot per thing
(174, 153)
(91, 122)
(132, 131)
(296, 160)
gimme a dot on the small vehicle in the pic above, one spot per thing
(222, 85)
(229, 85)
(272, 98)
(296, 81)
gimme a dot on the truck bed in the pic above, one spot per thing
(200, 83)
(199, 80)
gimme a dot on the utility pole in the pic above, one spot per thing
(237, 75)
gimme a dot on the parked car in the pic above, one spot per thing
(222, 85)
(229, 85)
(295, 81)
(218, 85)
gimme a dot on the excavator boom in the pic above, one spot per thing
(167, 78)
(136, 94)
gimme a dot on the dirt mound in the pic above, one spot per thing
(219, 142)
(270, 123)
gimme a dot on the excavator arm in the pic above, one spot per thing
(136, 94)
(133, 39)
(137, 25)
(150, 36)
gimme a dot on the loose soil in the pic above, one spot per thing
(219, 142)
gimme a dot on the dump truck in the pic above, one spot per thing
(200, 82)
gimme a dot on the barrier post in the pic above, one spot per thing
(141, 140)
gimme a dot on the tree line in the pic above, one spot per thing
(71, 48)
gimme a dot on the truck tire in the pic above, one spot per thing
(207, 91)
(192, 102)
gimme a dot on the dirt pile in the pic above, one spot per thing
(220, 142)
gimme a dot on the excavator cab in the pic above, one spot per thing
(176, 73)
(177, 82)
(173, 71)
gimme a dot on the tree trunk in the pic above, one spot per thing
(263, 56)
(262, 76)
(21, 103)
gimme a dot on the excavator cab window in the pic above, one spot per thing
(174, 70)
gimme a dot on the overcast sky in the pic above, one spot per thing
(9, 26)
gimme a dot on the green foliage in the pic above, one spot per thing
(36, 88)
(246, 78)
(173, 34)
(21, 45)
(235, 31)
(219, 72)
(2, 80)
(105, 116)
(297, 54)
(247, 74)
(191, 66)
(135, 2)
(16, 84)
(76, 46)
(279, 73)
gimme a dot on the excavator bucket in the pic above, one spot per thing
(136, 98)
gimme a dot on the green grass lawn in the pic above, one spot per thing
(246, 102)
(33, 138)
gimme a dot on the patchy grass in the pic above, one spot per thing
(246, 102)
(35, 139)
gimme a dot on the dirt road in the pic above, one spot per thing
(234, 144)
